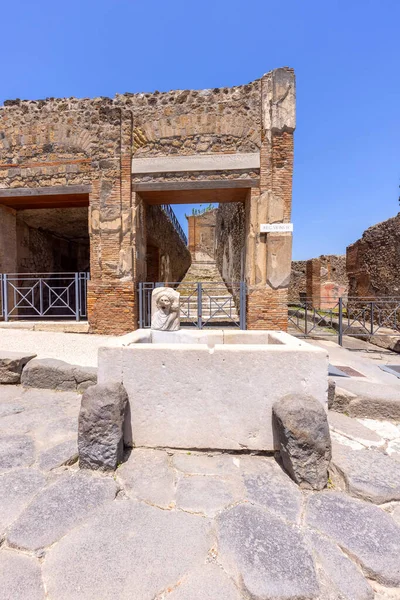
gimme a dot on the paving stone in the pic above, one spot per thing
(17, 488)
(11, 365)
(206, 495)
(62, 454)
(363, 398)
(265, 555)
(367, 474)
(269, 486)
(147, 476)
(209, 581)
(364, 531)
(302, 431)
(396, 514)
(344, 578)
(385, 429)
(50, 373)
(20, 577)
(10, 409)
(206, 464)
(384, 593)
(59, 508)
(16, 451)
(353, 429)
(100, 429)
(127, 550)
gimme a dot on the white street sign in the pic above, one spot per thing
(276, 227)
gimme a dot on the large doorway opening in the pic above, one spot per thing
(212, 290)
(49, 258)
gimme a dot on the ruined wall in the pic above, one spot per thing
(373, 262)
(298, 280)
(230, 241)
(91, 142)
(330, 269)
(174, 257)
(201, 238)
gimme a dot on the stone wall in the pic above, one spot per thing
(173, 256)
(90, 144)
(298, 280)
(373, 262)
(230, 241)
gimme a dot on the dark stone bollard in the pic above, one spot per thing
(100, 432)
(302, 429)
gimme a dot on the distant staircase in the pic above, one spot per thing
(217, 303)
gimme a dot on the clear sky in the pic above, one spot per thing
(346, 54)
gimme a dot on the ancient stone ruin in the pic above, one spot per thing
(84, 186)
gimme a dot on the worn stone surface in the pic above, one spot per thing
(353, 429)
(58, 508)
(367, 474)
(207, 464)
(267, 485)
(50, 373)
(304, 441)
(147, 476)
(16, 451)
(367, 399)
(127, 546)
(20, 577)
(101, 420)
(345, 578)
(11, 365)
(209, 581)
(62, 454)
(17, 488)
(233, 413)
(205, 495)
(364, 531)
(266, 556)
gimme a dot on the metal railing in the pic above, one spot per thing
(43, 295)
(202, 304)
(166, 208)
(356, 317)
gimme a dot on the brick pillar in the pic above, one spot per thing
(8, 240)
(111, 290)
(269, 256)
(313, 282)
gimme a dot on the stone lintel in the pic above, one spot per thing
(205, 162)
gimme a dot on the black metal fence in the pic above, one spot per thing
(43, 296)
(202, 304)
(357, 317)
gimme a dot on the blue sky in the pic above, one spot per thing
(346, 57)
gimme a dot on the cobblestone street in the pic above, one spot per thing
(189, 525)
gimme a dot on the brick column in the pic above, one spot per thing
(313, 282)
(268, 256)
(111, 290)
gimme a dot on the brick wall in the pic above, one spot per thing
(373, 262)
(332, 270)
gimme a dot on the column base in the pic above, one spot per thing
(267, 309)
(111, 307)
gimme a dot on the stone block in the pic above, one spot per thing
(50, 373)
(304, 441)
(12, 364)
(279, 260)
(218, 397)
(100, 430)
